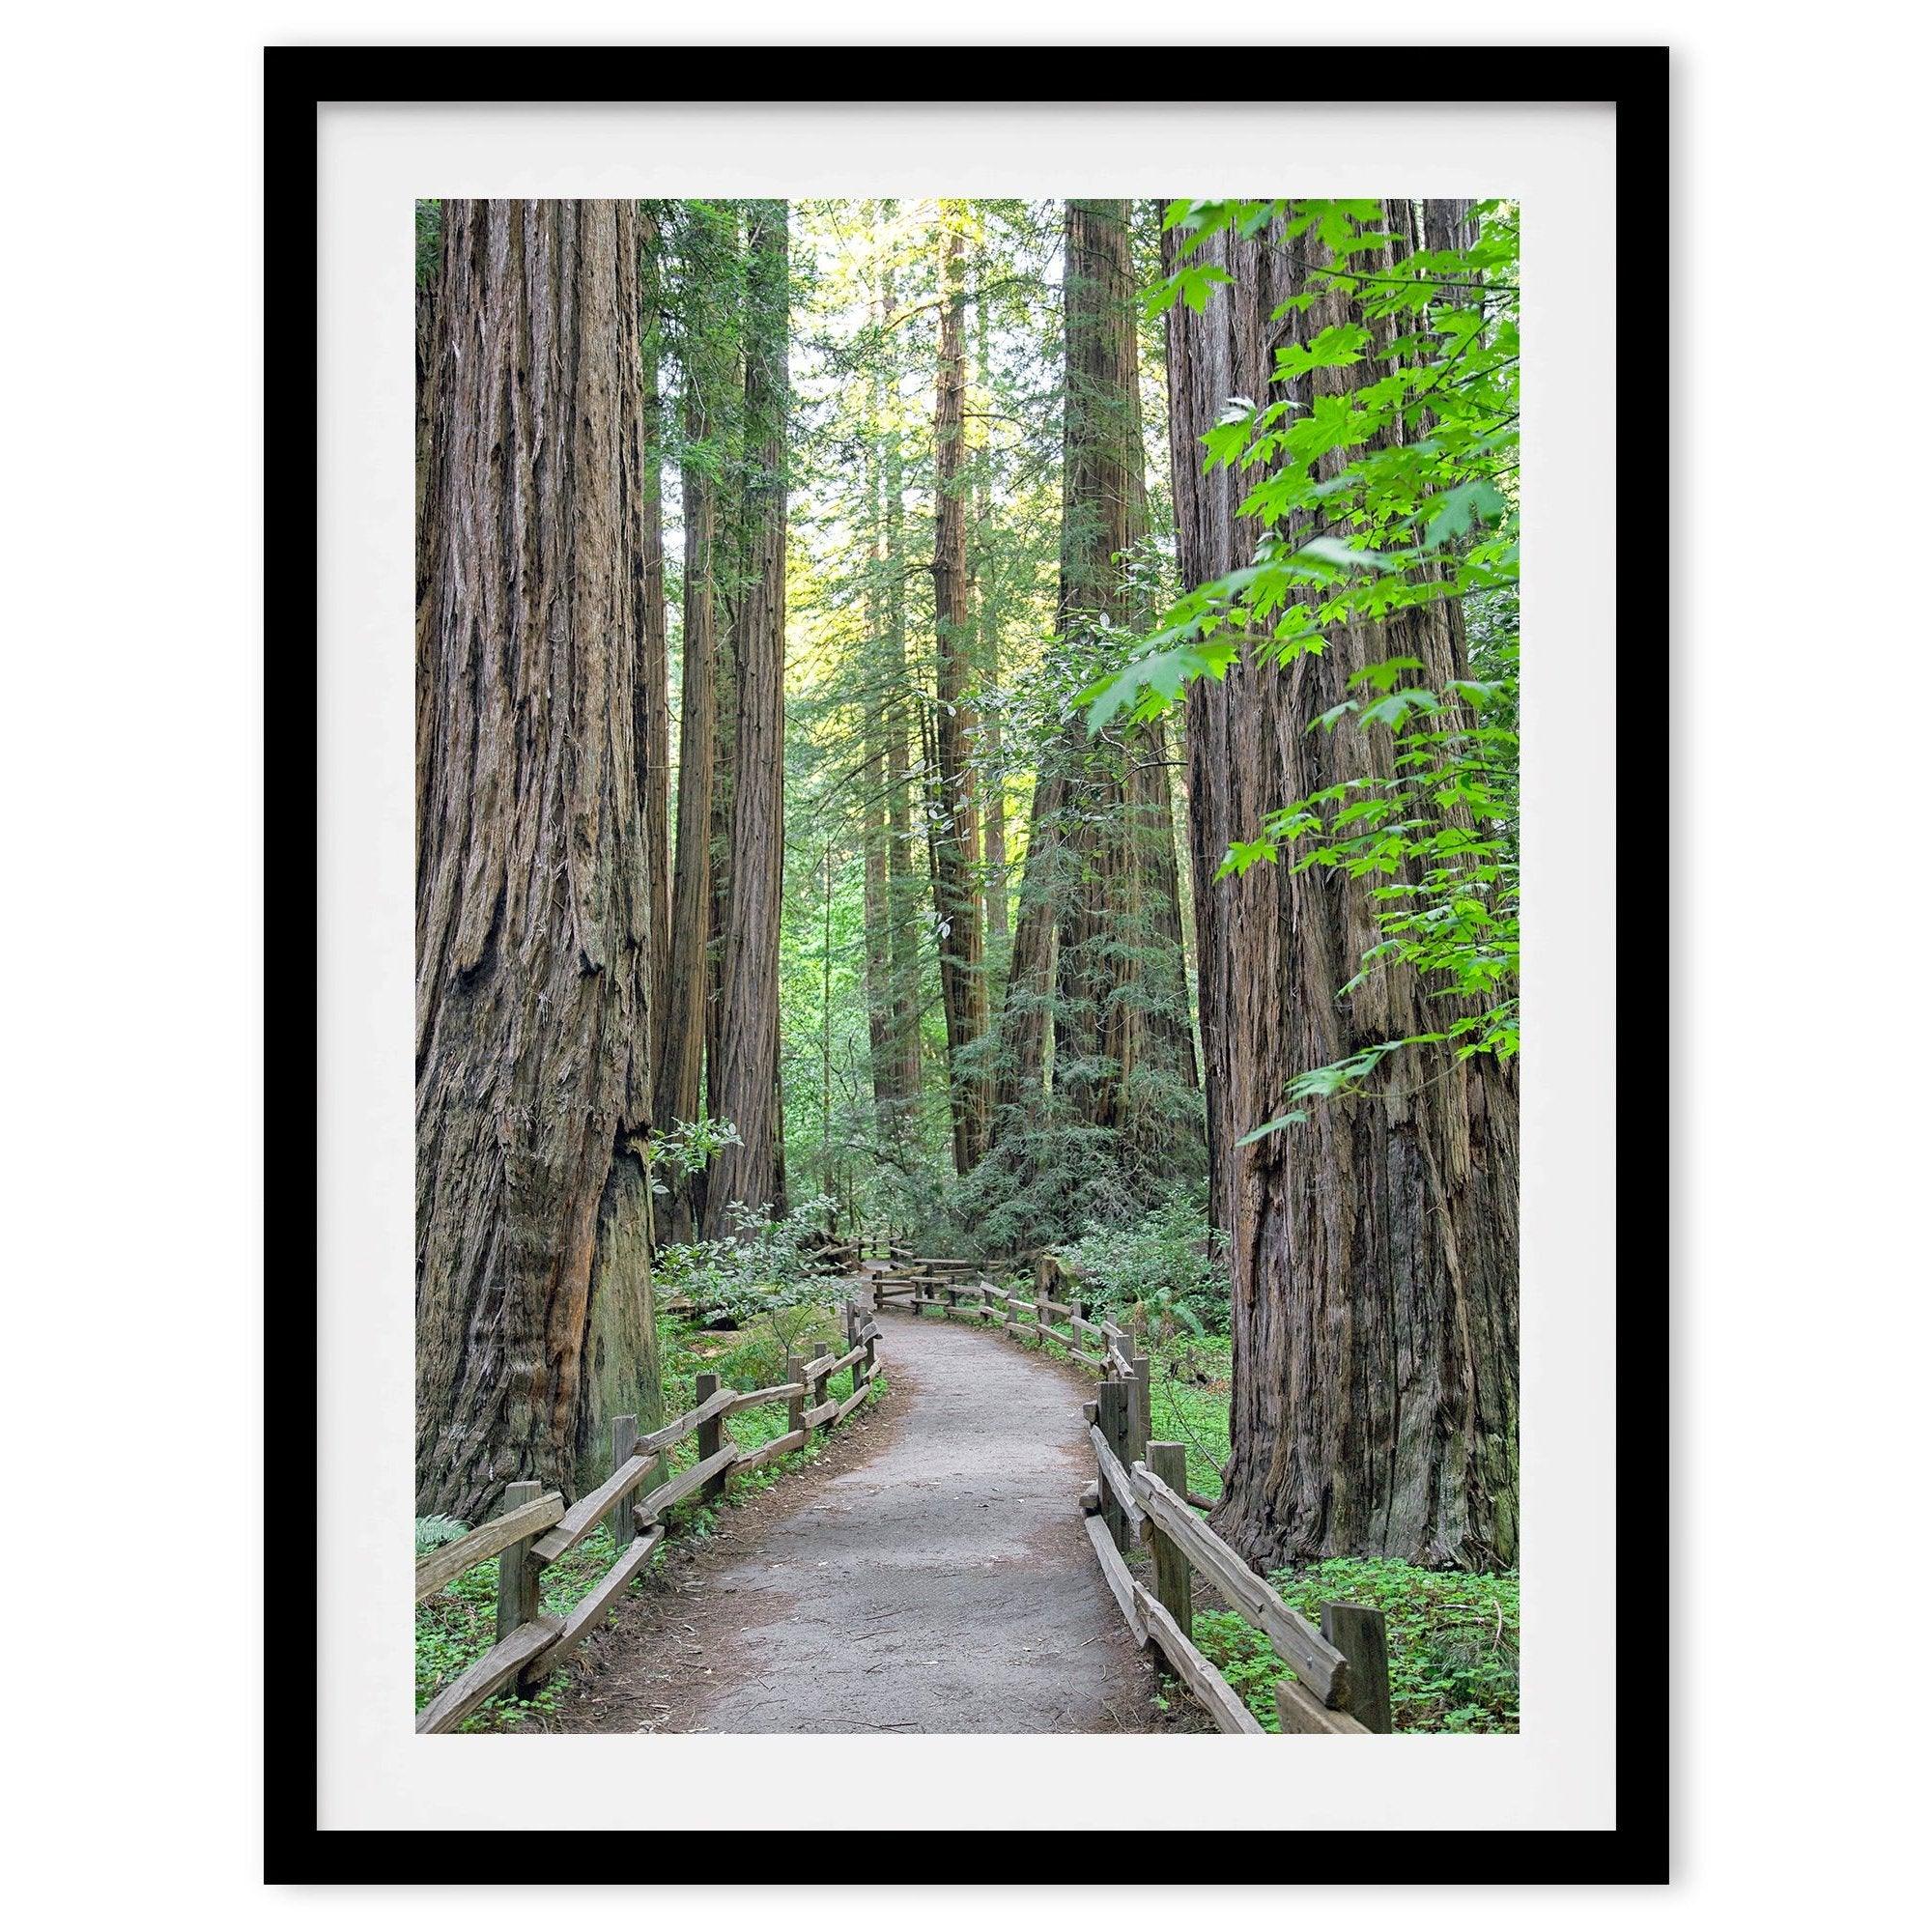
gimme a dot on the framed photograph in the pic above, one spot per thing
(967, 997)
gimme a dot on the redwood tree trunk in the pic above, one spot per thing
(876, 846)
(652, 722)
(1374, 1249)
(985, 614)
(955, 825)
(905, 889)
(1097, 943)
(681, 1065)
(747, 1086)
(1026, 1013)
(533, 893)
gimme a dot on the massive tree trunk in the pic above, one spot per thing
(1373, 1248)
(533, 895)
(746, 1089)
(954, 810)
(724, 792)
(878, 903)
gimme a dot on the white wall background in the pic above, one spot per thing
(132, 803)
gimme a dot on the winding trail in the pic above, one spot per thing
(929, 1575)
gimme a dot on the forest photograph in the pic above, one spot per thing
(967, 966)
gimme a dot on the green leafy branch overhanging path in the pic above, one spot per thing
(1421, 506)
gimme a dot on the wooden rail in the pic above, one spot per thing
(1140, 1494)
(1339, 1688)
(1316, 1661)
(444, 1566)
(536, 1529)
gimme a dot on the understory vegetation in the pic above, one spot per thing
(1453, 1640)
(458, 1624)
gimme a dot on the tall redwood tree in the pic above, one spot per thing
(1374, 1247)
(534, 890)
(745, 1073)
(1097, 957)
(954, 810)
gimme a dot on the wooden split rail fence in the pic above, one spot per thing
(1140, 1493)
(958, 1285)
(535, 1527)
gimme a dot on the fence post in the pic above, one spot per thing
(872, 1357)
(623, 1446)
(820, 1348)
(1361, 1636)
(1112, 1426)
(1140, 1415)
(1173, 1581)
(794, 1404)
(516, 1574)
(710, 1434)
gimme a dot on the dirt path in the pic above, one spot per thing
(929, 1574)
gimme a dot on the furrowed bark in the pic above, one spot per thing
(905, 888)
(1374, 1249)
(534, 900)
(985, 619)
(876, 847)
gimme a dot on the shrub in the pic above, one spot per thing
(1165, 1275)
(764, 1275)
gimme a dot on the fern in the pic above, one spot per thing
(434, 1531)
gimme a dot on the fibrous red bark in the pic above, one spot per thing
(1373, 1248)
(534, 894)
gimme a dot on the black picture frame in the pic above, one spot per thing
(297, 80)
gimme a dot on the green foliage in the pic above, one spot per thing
(434, 1531)
(429, 241)
(765, 1272)
(1453, 1640)
(1188, 1403)
(682, 1150)
(1163, 1275)
(1041, 1186)
(1420, 506)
